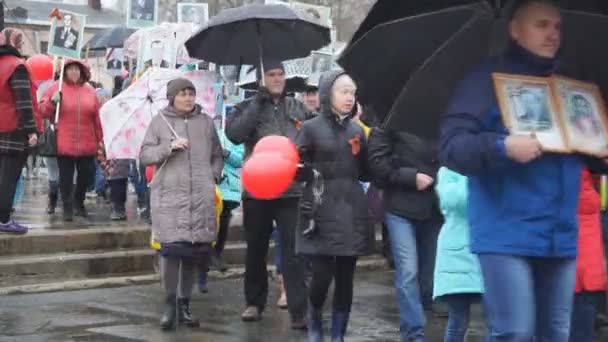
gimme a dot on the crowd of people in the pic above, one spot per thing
(481, 216)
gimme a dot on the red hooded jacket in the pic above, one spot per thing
(591, 261)
(79, 127)
(8, 64)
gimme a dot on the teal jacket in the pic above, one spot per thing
(230, 186)
(457, 270)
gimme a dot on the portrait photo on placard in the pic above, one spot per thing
(67, 33)
(527, 107)
(321, 62)
(584, 114)
(142, 13)
(320, 13)
(157, 49)
(114, 60)
(196, 14)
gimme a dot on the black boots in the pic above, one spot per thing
(185, 313)
(53, 195)
(315, 324)
(168, 320)
(68, 211)
(177, 311)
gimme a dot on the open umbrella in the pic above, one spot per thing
(249, 34)
(110, 38)
(296, 75)
(411, 81)
(126, 117)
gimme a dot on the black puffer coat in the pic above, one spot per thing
(338, 151)
(253, 121)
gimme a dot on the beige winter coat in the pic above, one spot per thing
(183, 190)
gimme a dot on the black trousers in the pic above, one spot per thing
(10, 170)
(258, 217)
(222, 235)
(326, 268)
(85, 166)
(118, 193)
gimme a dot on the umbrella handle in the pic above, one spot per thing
(261, 52)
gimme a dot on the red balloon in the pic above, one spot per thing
(278, 144)
(267, 175)
(40, 67)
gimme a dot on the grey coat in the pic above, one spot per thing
(337, 149)
(253, 121)
(183, 189)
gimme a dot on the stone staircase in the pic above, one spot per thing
(94, 252)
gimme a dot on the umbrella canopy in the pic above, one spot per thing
(110, 38)
(410, 83)
(126, 117)
(245, 34)
(296, 74)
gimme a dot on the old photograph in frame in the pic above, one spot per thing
(584, 114)
(527, 107)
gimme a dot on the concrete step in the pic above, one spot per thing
(39, 284)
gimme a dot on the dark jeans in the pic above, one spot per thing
(326, 268)
(222, 235)
(137, 177)
(85, 166)
(118, 194)
(100, 179)
(10, 170)
(459, 308)
(583, 316)
(258, 217)
(527, 297)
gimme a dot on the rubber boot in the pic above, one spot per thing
(339, 321)
(185, 314)
(168, 320)
(315, 324)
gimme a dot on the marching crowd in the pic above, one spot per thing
(480, 216)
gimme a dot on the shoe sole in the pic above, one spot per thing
(251, 319)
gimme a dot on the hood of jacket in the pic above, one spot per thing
(85, 72)
(326, 82)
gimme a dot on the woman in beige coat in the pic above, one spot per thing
(182, 143)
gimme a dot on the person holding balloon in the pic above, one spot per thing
(270, 113)
(18, 125)
(335, 225)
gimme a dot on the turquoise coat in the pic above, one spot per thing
(456, 268)
(230, 187)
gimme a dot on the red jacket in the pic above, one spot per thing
(79, 128)
(590, 262)
(9, 119)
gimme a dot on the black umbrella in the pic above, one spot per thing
(427, 52)
(251, 33)
(110, 38)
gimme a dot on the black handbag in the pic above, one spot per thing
(47, 142)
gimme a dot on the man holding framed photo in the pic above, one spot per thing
(522, 199)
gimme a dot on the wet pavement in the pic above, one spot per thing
(132, 313)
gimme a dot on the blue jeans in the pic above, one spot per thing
(100, 179)
(582, 324)
(137, 177)
(414, 244)
(459, 308)
(528, 297)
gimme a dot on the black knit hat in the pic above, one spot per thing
(177, 85)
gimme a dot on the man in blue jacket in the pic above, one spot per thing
(522, 201)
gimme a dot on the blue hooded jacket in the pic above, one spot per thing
(516, 209)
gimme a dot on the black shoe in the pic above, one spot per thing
(80, 211)
(168, 320)
(52, 204)
(217, 264)
(118, 216)
(185, 314)
(299, 323)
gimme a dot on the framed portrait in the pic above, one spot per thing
(527, 107)
(114, 61)
(320, 13)
(67, 35)
(196, 14)
(584, 114)
(156, 50)
(142, 13)
(321, 62)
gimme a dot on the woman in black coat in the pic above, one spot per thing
(335, 225)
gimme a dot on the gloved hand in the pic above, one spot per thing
(56, 98)
(263, 95)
